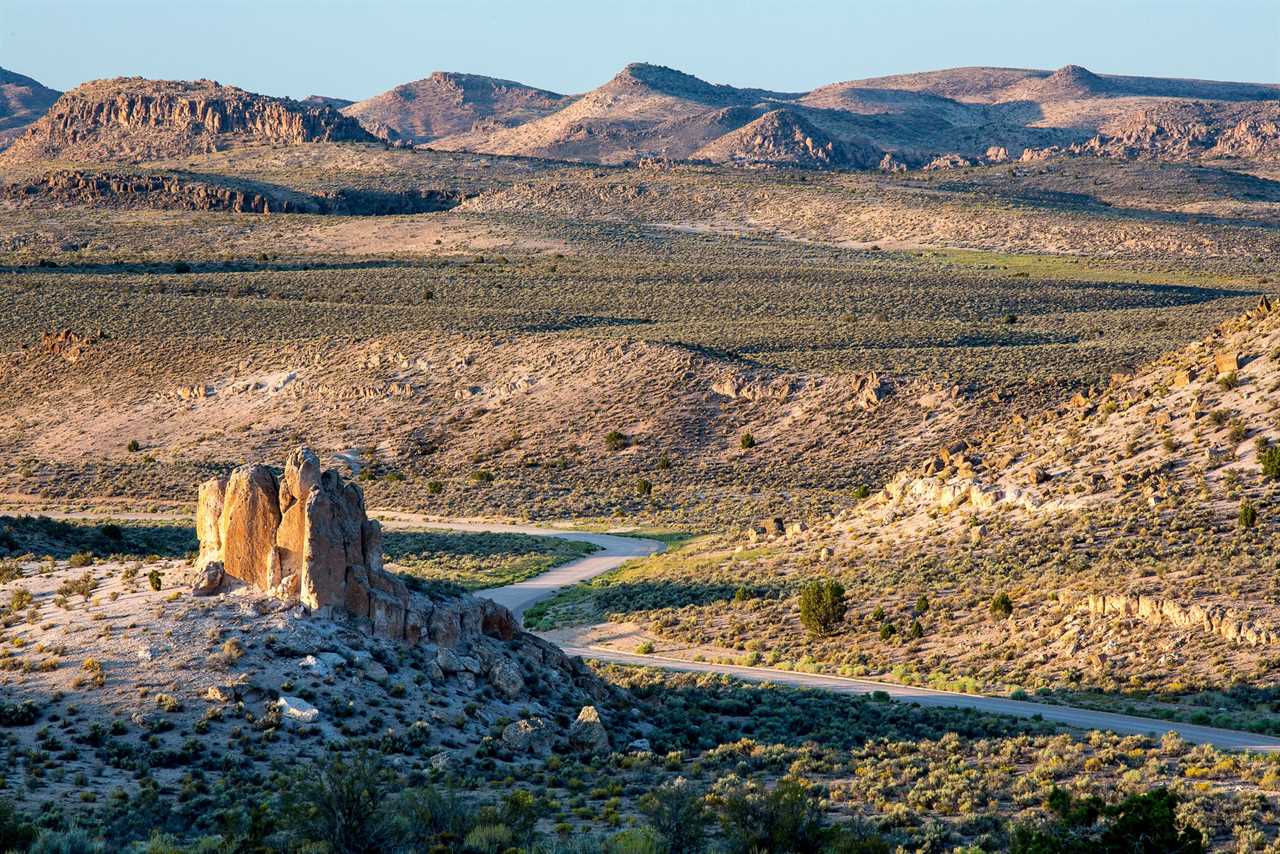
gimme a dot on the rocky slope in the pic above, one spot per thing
(446, 103)
(175, 671)
(130, 118)
(22, 101)
(785, 137)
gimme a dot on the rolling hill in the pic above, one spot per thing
(22, 101)
(446, 103)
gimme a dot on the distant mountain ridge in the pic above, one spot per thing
(940, 119)
(953, 117)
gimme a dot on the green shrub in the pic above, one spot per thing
(434, 487)
(1248, 514)
(133, 446)
(482, 476)
(917, 630)
(822, 606)
(1141, 824)
(922, 604)
(785, 818)
(16, 831)
(863, 491)
(1269, 460)
(677, 812)
(746, 440)
(644, 487)
(155, 579)
(80, 559)
(887, 630)
(342, 806)
(1001, 606)
(615, 440)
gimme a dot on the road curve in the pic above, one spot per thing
(615, 550)
(1083, 718)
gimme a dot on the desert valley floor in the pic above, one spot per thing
(666, 468)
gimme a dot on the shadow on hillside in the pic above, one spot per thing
(41, 536)
(125, 268)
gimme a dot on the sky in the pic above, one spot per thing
(351, 49)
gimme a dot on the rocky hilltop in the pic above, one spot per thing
(22, 101)
(446, 103)
(131, 118)
(785, 138)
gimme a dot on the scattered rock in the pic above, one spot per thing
(298, 709)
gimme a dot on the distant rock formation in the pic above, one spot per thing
(784, 137)
(131, 118)
(170, 191)
(305, 539)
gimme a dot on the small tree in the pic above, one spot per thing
(922, 604)
(747, 441)
(1001, 606)
(917, 630)
(822, 606)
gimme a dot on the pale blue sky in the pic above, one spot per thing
(350, 49)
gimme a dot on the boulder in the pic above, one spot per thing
(298, 709)
(528, 736)
(305, 538)
(209, 498)
(208, 579)
(1226, 361)
(506, 678)
(587, 733)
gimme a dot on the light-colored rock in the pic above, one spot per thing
(208, 579)
(297, 709)
(301, 475)
(528, 736)
(247, 525)
(506, 678)
(587, 732)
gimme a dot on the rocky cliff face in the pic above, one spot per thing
(184, 192)
(135, 119)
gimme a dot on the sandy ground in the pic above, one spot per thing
(423, 233)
